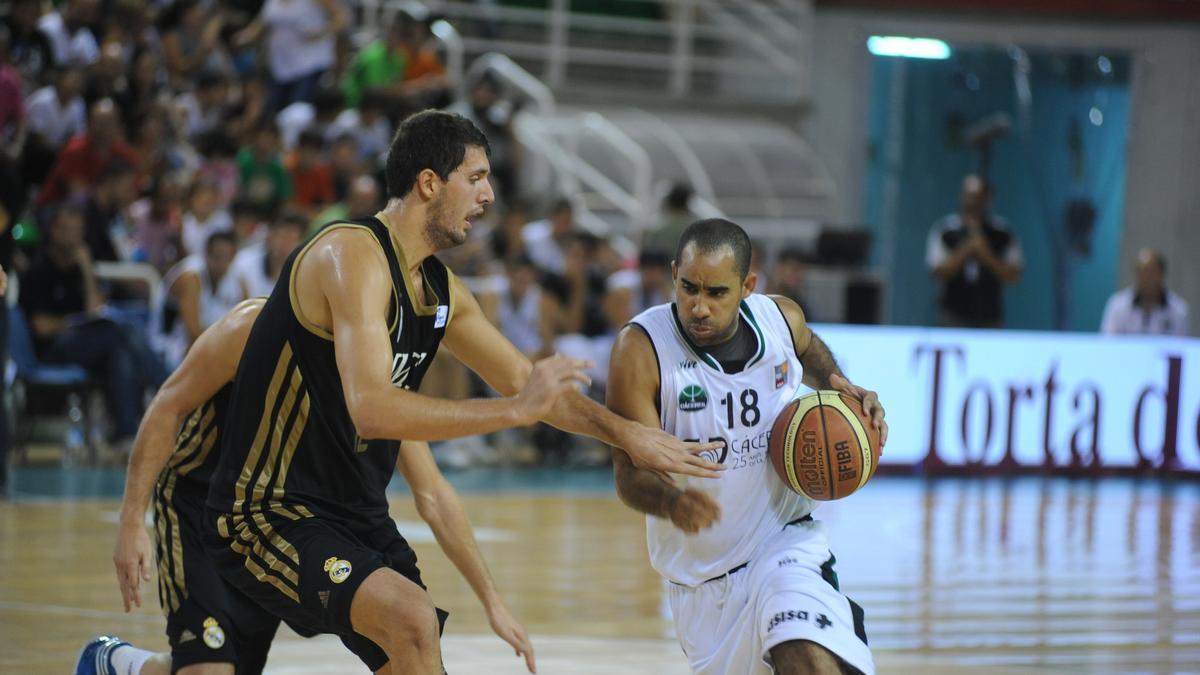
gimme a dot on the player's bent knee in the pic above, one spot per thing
(206, 669)
(804, 657)
(394, 612)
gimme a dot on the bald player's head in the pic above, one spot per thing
(104, 122)
(363, 198)
(1151, 273)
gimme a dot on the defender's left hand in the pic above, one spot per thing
(511, 631)
(870, 404)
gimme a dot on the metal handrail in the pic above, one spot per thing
(515, 76)
(524, 15)
(606, 57)
(772, 21)
(453, 44)
(636, 155)
(546, 137)
(697, 175)
(751, 38)
(670, 42)
(132, 271)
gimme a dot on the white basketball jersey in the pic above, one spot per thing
(699, 401)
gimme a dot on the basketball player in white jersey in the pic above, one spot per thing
(752, 584)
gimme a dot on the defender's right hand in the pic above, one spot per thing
(132, 558)
(552, 378)
(693, 511)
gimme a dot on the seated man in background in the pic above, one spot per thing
(787, 279)
(199, 291)
(257, 266)
(62, 301)
(1148, 307)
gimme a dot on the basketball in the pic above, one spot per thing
(823, 446)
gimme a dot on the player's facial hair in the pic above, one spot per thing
(718, 338)
(440, 233)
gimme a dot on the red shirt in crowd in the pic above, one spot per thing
(79, 164)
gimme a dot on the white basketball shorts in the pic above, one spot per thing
(728, 626)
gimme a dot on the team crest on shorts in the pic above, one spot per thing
(214, 636)
(693, 398)
(339, 570)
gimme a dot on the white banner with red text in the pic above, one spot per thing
(1011, 399)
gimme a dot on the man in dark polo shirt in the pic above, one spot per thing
(973, 254)
(65, 311)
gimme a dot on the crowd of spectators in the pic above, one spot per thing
(202, 138)
(208, 138)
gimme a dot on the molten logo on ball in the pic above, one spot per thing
(811, 465)
(823, 446)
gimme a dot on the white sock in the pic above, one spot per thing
(128, 660)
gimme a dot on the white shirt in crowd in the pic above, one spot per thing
(373, 140)
(196, 232)
(74, 49)
(1168, 316)
(290, 53)
(53, 120)
(541, 247)
(216, 300)
(250, 269)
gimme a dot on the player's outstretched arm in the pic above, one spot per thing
(351, 298)
(821, 370)
(481, 347)
(439, 506)
(632, 393)
(209, 365)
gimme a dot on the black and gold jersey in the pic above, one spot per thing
(197, 449)
(290, 449)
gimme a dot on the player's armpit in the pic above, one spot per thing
(819, 364)
(798, 324)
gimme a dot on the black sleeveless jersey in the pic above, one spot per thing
(289, 448)
(197, 448)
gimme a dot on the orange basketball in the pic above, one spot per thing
(823, 446)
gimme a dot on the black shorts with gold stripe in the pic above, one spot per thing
(208, 620)
(306, 571)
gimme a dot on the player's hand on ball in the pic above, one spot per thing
(658, 451)
(132, 557)
(692, 511)
(870, 404)
(552, 378)
(511, 631)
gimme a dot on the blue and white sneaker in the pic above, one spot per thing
(94, 657)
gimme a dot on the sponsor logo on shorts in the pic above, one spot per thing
(784, 617)
(186, 636)
(214, 637)
(788, 561)
(820, 620)
(323, 596)
(339, 570)
(693, 398)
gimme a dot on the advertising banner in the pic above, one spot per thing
(1010, 399)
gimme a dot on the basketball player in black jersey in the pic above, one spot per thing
(335, 358)
(212, 628)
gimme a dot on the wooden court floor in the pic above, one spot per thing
(956, 575)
